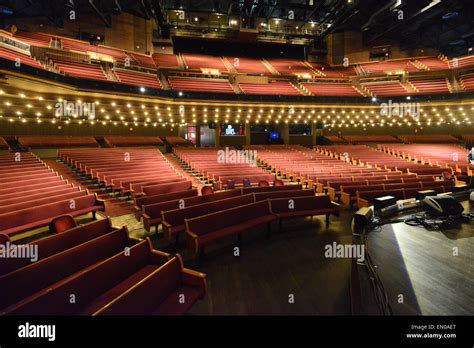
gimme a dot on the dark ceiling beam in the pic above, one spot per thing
(145, 10)
(254, 6)
(102, 16)
(273, 6)
(340, 13)
(49, 10)
(397, 24)
(312, 13)
(159, 13)
(118, 6)
(229, 8)
(379, 12)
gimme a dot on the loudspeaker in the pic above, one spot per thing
(382, 202)
(212, 125)
(92, 38)
(363, 216)
(442, 206)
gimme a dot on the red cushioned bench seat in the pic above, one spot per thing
(257, 189)
(164, 197)
(60, 242)
(161, 292)
(152, 213)
(27, 281)
(166, 188)
(287, 208)
(207, 229)
(40, 216)
(52, 198)
(12, 199)
(95, 287)
(260, 196)
(174, 220)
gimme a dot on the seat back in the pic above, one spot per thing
(226, 218)
(284, 205)
(35, 277)
(176, 217)
(62, 223)
(259, 196)
(145, 297)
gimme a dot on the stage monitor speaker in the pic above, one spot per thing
(382, 202)
(442, 206)
(363, 216)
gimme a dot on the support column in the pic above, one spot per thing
(247, 134)
(216, 133)
(198, 135)
(284, 130)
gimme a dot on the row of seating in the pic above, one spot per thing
(271, 88)
(212, 166)
(56, 141)
(406, 178)
(428, 138)
(350, 193)
(186, 84)
(177, 141)
(130, 77)
(95, 71)
(330, 89)
(431, 85)
(367, 198)
(441, 155)
(19, 57)
(31, 195)
(387, 88)
(357, 139)
(97, 269)
(3, 144)
(343, 170)
(205, 230)
(467, 82)
(388, 66)
(246, 65)
(133, 141)
(123, 170)
(80, 69)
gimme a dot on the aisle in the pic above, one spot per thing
(114, 206)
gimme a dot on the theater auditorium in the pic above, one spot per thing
(236, 158)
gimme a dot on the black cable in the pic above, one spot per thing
(381, 296)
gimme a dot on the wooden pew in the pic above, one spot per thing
(42, 201)
(163, 197)
(34, 217)
(26, 281)
(260, 196)
(95, 287)
(152, 213)
(166, 188)
(246, 190)
(286, 208)
(174, 220)
(60, 242)
(205, 230)
(160, 293)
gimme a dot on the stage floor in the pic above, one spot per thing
(431, 271)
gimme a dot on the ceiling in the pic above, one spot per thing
(445, 25)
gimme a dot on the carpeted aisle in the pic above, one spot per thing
(114, 206)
